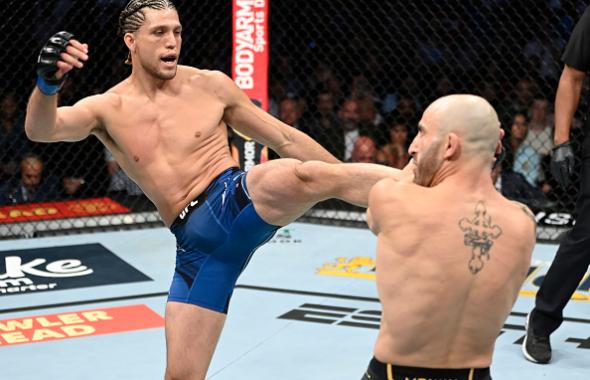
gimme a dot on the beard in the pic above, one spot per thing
(428, 165)
(156, 72)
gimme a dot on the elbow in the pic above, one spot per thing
(31, 133)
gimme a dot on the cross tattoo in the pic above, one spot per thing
(479, 233)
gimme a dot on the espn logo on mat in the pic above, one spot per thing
(353, 317)
(335, 315)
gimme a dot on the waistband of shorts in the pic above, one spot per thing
(199, 200)
(392, 371)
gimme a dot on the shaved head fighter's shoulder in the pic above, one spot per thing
(390, 189)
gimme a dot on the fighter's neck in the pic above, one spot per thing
(466, 176)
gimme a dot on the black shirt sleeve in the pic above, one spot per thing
(577, 51)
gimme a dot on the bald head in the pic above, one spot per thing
(471, 117)
(455, 130)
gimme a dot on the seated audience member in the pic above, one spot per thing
(393, 155)
(325, 127)
(348, 115)
(514, 186)
(520, 157)
(13, 141)
(395, 152)
(370, 121)
(540, 133)
(119, 183)
(31, 185)
(364, 150)
(290, 112)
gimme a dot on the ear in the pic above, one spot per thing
(129, 39)
(499, 146)
(453, 148)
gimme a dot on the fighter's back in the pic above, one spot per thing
(450, 263)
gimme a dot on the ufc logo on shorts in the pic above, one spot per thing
(184, 212)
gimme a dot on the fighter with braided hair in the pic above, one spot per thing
(167, 126)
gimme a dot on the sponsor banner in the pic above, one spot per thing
(67, 267)
(58, 210)
(250, 48)
(554, 219)
(78, 324)
(364, 267)
(250, 69)
(247, 151)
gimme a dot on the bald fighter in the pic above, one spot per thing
(452, 252)
(167, 127)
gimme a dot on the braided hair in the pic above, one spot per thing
(132, 17)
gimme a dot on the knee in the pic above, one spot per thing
(312, 171)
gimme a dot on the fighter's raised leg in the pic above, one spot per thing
(283, 190)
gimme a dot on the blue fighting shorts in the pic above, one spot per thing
(216, 235)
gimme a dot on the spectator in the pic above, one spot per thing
(514, 186)
(370, 121)
(325, 105)
(290, 112)
(276, 92)
(395, 152)
(325, 78)
(393, 155)
(522, 98)
(13, 141)
(325, 127)
(364, 150)
(407, 110)
(31, 186)
(120, 184)
(540, 134)
(520, 157)
(73, 187)
(349, 121)
(489, 90)
(361, 88)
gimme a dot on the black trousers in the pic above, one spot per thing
(570, 262)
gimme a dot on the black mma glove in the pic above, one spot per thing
(47, 63)
(562, 163)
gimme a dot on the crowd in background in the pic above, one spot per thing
(362, 103)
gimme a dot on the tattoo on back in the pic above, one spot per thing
(479, 235)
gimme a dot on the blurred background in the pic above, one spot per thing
(354, 75)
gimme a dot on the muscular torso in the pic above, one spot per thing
(436, 311)
(173, 145)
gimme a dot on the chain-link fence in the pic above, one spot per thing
(355, 75)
